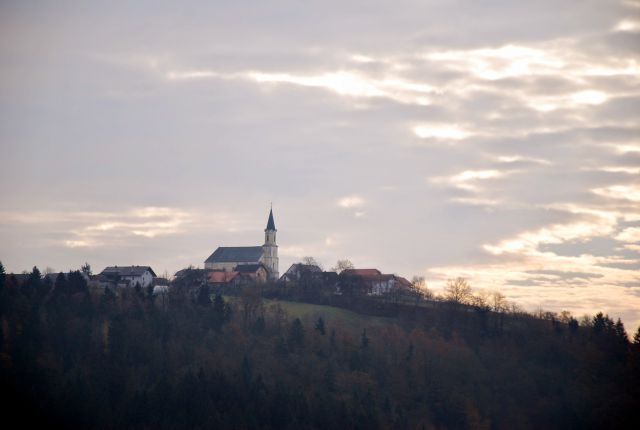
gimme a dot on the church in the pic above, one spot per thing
(228, 258)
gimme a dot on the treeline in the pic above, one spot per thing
(79, 359)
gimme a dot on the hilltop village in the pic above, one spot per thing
(230, 268)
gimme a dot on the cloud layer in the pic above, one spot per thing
(437, 138)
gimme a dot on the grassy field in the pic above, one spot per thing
(309, 313)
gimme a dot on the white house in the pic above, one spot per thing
(130, 275)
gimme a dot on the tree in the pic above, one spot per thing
(320, 326)
(86, 269)
(204, 296)
(310, 261)
(3, 276)
(599, 323)
(342, 265)
(33, 282)
(419, 287)
(636, 337)
(60, 286)
(296, 334)
(458, 291)
(498, 302)
(621, 333)
(76, 283)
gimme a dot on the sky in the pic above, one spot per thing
(494, 140)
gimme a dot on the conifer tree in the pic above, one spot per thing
(3, 276)
(296, 334)
(320, 326)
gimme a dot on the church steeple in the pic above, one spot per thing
(270, 249)
(270, 224)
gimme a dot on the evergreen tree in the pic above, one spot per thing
(32, 284)
(76, 283)
(621, 333)
(204, 296)
(320, 326)
(296, 334)
(364, 340)
(3, 277)
(599, 323)
(60, 286)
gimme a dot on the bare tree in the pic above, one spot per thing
(343, 265)
(86, 269)
(419, 285)
(458, 291)
(481, 299)
(311, 261)
(499, 302)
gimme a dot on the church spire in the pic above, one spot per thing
(270, 248)
(271, 225)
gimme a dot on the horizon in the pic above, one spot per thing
(507, 153)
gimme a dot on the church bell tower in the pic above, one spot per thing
(270, 249)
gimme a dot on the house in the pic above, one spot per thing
(221, 278)
(228, 257)
(298, 272)
(255, 272)
(128, 275)
(160, 285)
(371, 282)
(309, 277)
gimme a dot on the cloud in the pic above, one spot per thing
(441, 131)
(619, 192)
(470, 180)
(627, 25)
(526, 135)
(352, 201)
(98, 229)
(631, 234)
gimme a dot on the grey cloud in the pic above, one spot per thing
(90, 122)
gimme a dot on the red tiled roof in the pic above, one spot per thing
(403, 281)
(361, 272)
(217, 277)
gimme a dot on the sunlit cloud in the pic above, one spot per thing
(627, 25)
(353, 201)
(193, 74)
(503, 62)
(620, 192)
(441, 131)
(631, 234)
(507, 159)
(97, 229)
(555, 58)
(469, 179)
(620, 169)
(347, 83)
(589, 97)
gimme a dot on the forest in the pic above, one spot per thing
(78, 358)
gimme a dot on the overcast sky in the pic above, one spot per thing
(495, 140)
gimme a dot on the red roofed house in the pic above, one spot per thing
(371, 281)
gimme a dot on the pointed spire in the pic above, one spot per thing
(271, 225)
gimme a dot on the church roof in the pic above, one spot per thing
(249, 268)
(235, 254)
(271, 225)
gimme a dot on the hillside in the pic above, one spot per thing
(80, 360)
